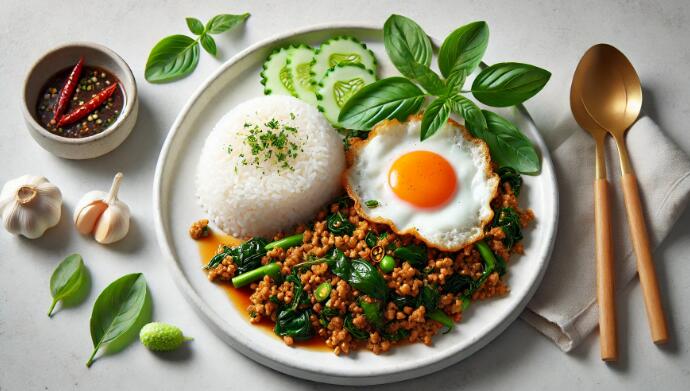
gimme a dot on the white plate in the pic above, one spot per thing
(176, 208)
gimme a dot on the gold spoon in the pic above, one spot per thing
(612, 95)
(608, 341)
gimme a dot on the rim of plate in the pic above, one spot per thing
(370, 376)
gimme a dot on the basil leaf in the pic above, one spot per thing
(435, 115)
(406, 43)
(456, 80)
(372, 311)
(393, 97)
(224, 22)
(509, 83)
(430, 297)
(172, 58)
(119, 312)
(354, 331)
(474, 119)
(67, 280)
(365, 278)
(415, 255)
(209, 44)
(195, 25)
(463, 49)
(508, 146)
(428, 79)
(294, 323)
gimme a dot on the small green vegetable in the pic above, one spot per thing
(371, 204)
(285, 243)
(387, 264)
(177, 56)
(162, 337)
(67, 280)
(271, 269)
(323, 291)
(119, 312)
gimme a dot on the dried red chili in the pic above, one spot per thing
(68, 89)
(83, 110)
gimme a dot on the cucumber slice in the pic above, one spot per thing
(299, 65)
(275, 75)
(338, 85)
(341, 50)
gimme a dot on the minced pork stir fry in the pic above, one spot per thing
(354, 283)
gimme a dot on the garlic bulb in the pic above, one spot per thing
(30, 205)
(103, 215)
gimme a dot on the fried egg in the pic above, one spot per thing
(438, 190)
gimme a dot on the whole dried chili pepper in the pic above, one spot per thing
(83, 110)
(68, 89)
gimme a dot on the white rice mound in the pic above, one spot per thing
(246, 200)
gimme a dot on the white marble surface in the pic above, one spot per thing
(41, 353)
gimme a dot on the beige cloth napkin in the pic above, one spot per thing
(564, 307)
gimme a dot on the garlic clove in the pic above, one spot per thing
(103, 215)
(113, 225)
(86, 219)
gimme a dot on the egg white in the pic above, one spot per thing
(449, 227)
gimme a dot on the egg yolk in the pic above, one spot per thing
(424, 179)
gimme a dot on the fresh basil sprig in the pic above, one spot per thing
(499, 85)
(119, 312)
(177, 56)
(67, 281)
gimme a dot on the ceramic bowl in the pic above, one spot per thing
(64, 57)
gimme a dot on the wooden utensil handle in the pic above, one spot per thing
(608, 341)
(645, 263)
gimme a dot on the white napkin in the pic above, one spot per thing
(564, 307)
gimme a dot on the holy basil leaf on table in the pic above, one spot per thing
(173, 57)
(463, 49)
(177, 56)
(119, 312)
(195, 25)
(67, 280)
(394, 97)
(224, 22)
(435, 115)
(508, 146)
(508, 83)
(209, 44)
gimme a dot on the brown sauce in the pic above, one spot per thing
(91, 81)
(240, 296)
